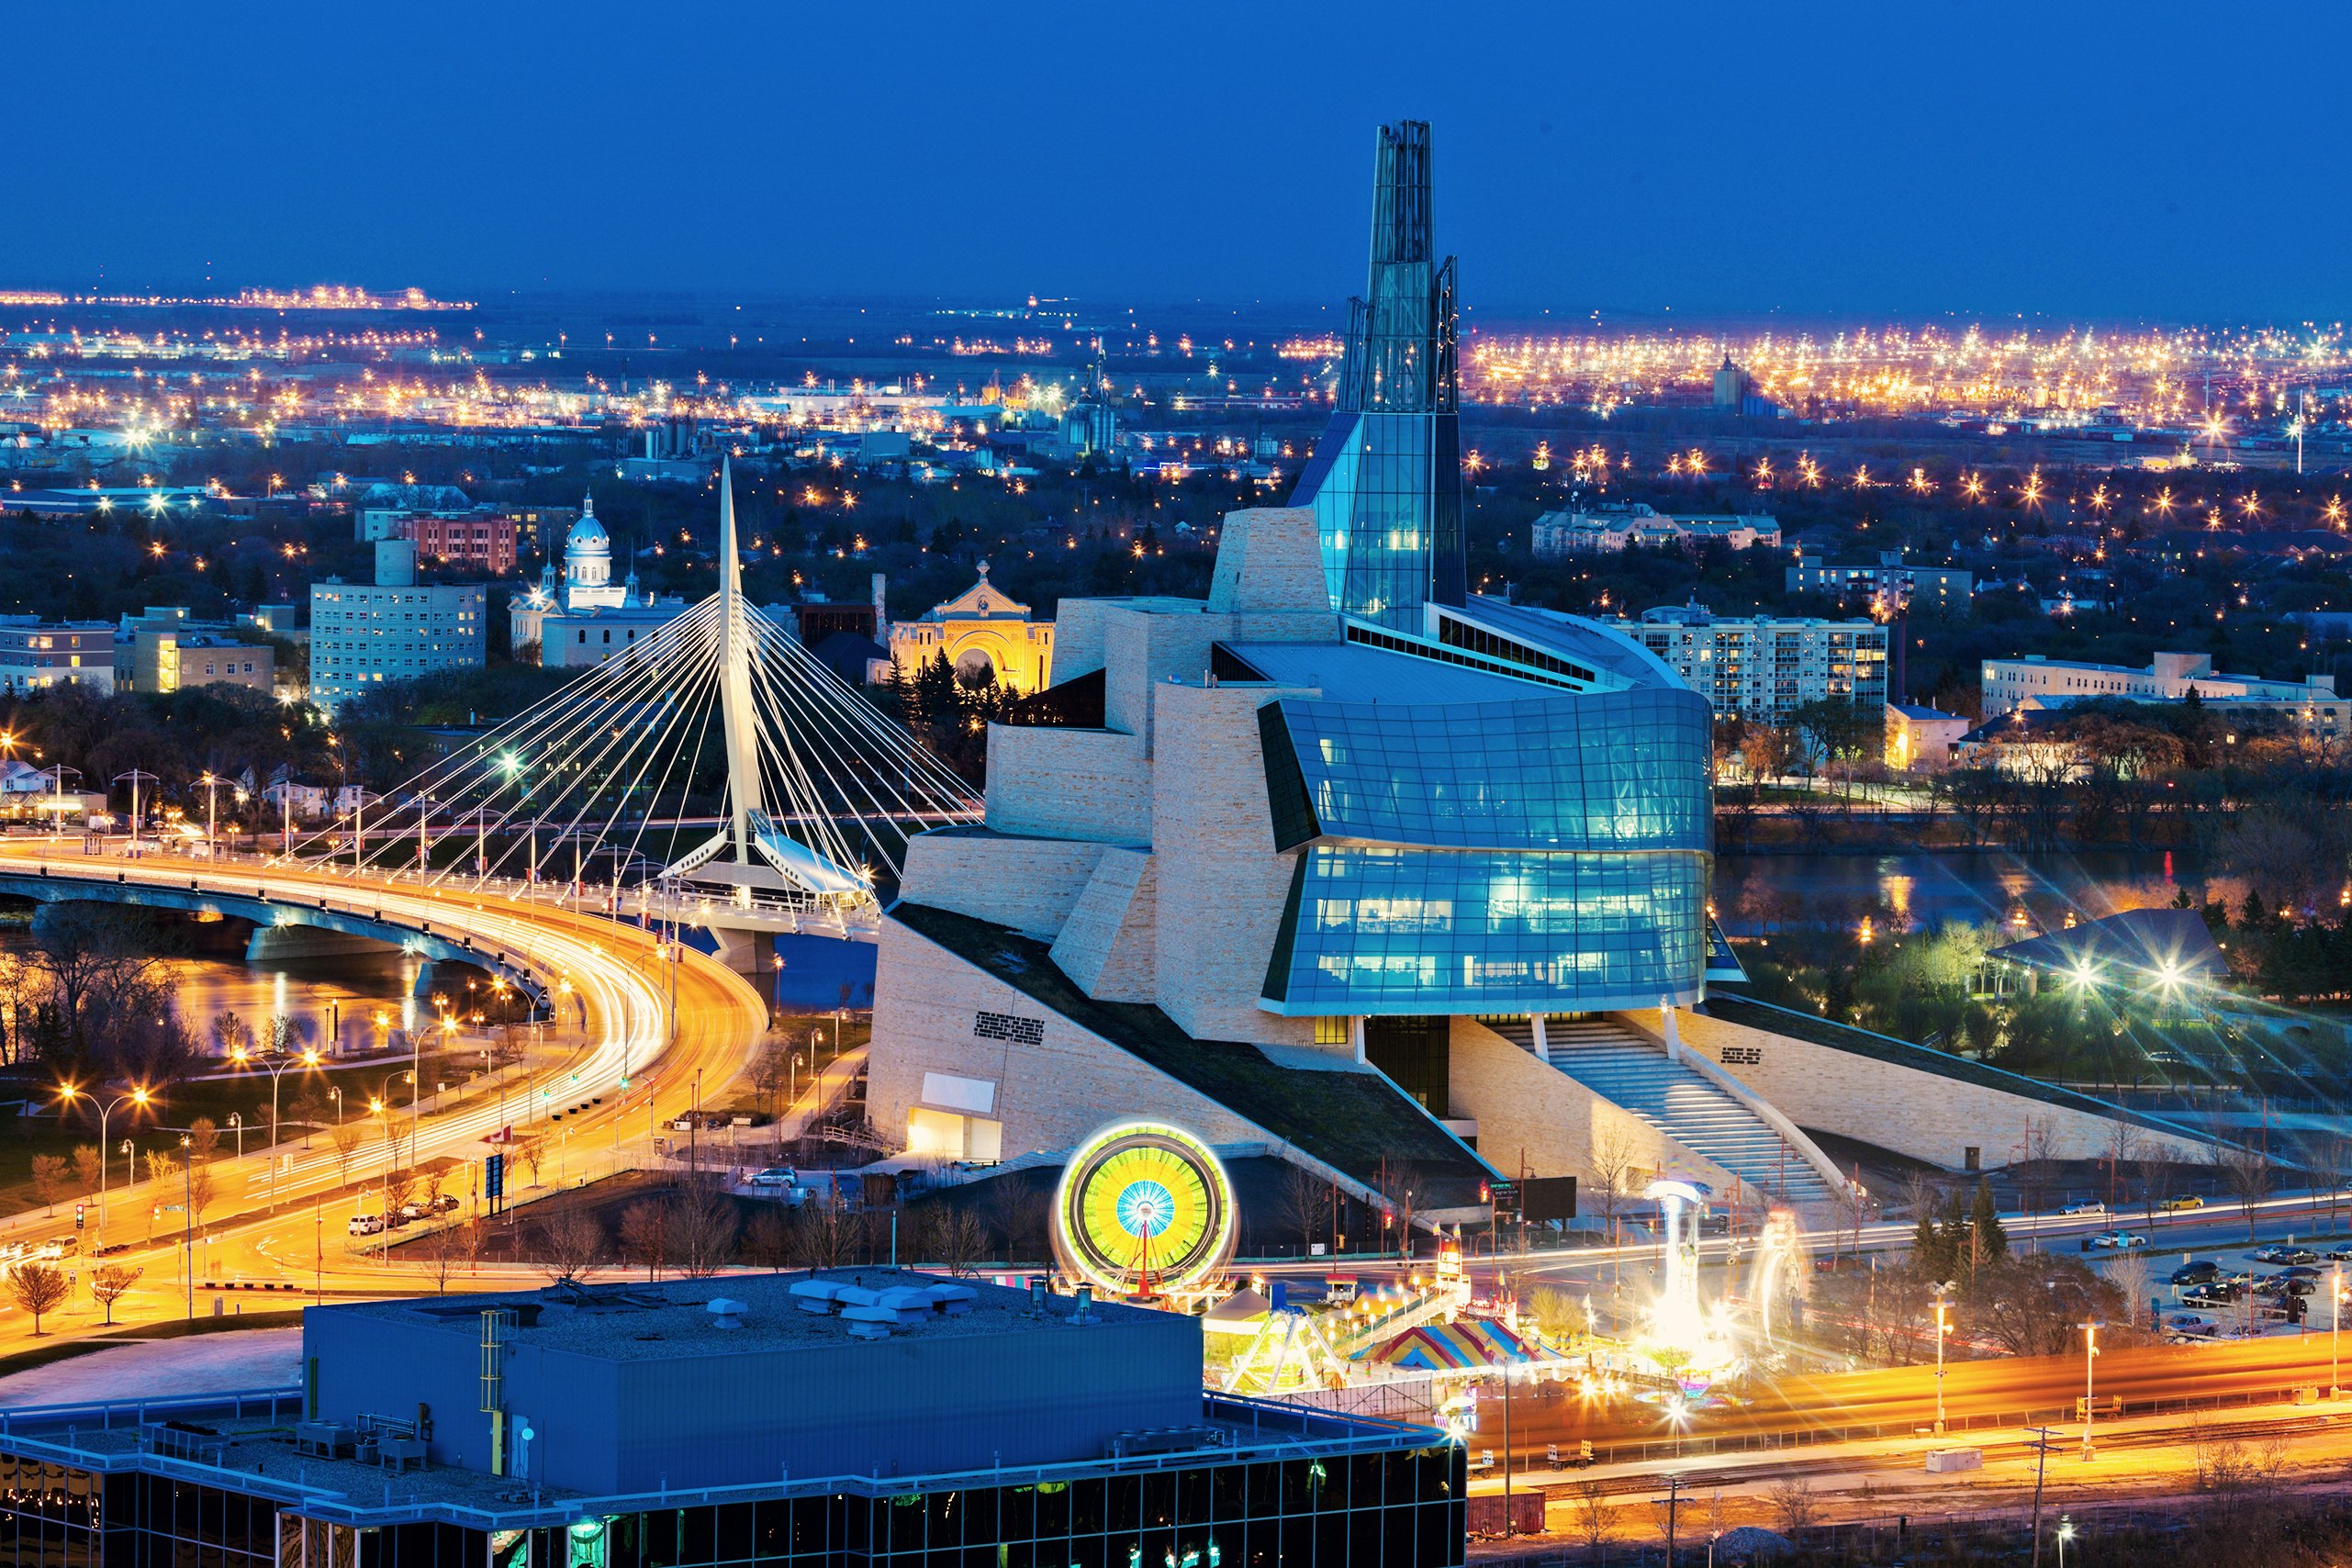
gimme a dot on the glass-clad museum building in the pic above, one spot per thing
(1549, 855)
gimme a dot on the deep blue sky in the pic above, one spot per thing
(2099, 162)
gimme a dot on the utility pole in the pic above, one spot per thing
(1674, 1496)
(2040, 1463)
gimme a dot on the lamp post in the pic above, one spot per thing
(1942, 1330)
(271, 1062)
(2066, 1534)
(211, 812)
(188, 1220)
(137, 1097)
(2089, 1367)
(57, 773)
(134, 776)
(237, 1128)
(2335, 1314)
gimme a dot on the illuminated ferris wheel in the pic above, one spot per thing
(1144, 1209)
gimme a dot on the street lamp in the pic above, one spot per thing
(2089, 1366)
(139, 1097)
(1942, 1331)
(2334, 1314)
(273, 1062)
(2066, 1534)
(134, 776)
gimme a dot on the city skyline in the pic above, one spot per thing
(1842, 163)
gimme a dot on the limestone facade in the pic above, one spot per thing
(1922, 1115)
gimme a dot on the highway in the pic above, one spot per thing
(609, 976)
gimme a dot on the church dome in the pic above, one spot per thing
(587, 536)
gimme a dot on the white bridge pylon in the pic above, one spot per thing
(715, 750)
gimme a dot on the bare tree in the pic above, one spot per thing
(566, 1247)
(2245, 1174)
(951, 1237)
(442, 1252)
(772, 1073)
(397, 1186)
(822, 1237)
(346, 1140)
(51, 1172)
(703, 1226)
(1303, 1203)
(767, 1241)
(38, 1288)
(1612, 1168)
(532, 1152)
(1592, 1513)
(1012, 1209)
(645, 1235)
(1793, 1503)
(110, 1283)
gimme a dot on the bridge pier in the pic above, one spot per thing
(280, 943)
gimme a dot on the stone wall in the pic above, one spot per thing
(1528, 1108)
(1049, 1094)
(1146, 649)
(1222, 885)
(1058, 783)
(1108, 945)
(1029, 884)
(1923, 1114)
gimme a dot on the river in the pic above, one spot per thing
(1929, 887)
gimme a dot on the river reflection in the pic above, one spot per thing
(317, 994)
(1762, 892)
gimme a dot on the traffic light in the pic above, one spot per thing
(79, 1210)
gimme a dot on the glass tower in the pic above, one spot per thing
(1385, 480)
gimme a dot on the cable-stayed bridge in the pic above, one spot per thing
(714, 772)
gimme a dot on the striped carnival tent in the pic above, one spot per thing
(1471, 1344)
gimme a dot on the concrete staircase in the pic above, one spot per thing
(1632, 1072)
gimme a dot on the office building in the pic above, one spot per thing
(2169, 678)
(1385, 480)
(834, 1420)
(485, 542)
(1610, 527)
(175, 660)
(35, 655)
(362, 636)
(1766, 667)
(1886, 587)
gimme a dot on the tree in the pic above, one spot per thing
(1984, 1223)
(88, 1177)
(2030, 1304)
(1793, 1503)
(346, 1139)
(1612, 1168)
(532, 1152)
(1305, 1204)
(767, 1241)
(645, 1235)
(2245, 1174)
(820, 1236)
(38, 1288)
(951, 1237)
(51, 1174)
(1012, 1209)
(397, 1187)
(772, 1073)
(110, 1283)
(703, 1227)
(566, 1247)
(442, 1250)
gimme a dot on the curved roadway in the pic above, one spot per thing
(618, 994)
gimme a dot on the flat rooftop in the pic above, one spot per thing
(642, 1322)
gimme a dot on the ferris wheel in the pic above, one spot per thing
(1144, 1209)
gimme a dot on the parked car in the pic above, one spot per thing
(2183, 1204)
(2281, 1254)
(365, 1224)
(415, 1209)
(2197, 1273)
(2303, 1272)
(2087, 1206)
(2283, 1285)
(775, 1176)
(2119, 1239)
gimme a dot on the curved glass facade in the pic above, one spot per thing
(1618, 771)
(1547, 855)
(1378, 930)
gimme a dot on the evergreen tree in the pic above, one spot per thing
(1992, 1241)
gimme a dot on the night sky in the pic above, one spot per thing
(2094, 162)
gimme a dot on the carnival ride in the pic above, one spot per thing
(1145, 1211)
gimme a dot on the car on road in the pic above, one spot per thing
(2197, 1273)
(2119, 1239)
(2087, 1206)
(775, 1176)
(364, 1224)
(2183, 1204)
